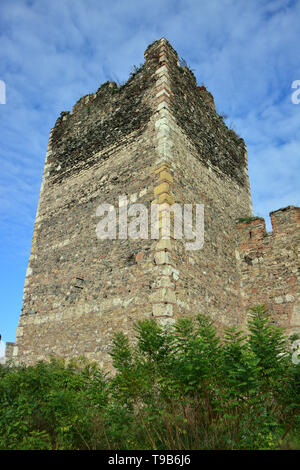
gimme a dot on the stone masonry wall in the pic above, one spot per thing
(156, 140)
(9, 352)
(270, 265)
(78, 287)
(204, 163)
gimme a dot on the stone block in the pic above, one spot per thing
(161, 188)
(161, 310)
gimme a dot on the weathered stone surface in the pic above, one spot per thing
(157, 139)
(269, 264)
(9, 352)
(162, 310)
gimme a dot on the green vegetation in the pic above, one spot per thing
(246, 220)
(184, 388)
(114, 91)
(183, 65)
(135, 69)
(235, 135)
(121, 85)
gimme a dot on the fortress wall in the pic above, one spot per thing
(9, 352)
(78, 287)
(209, 279)
(206, 164)
(270, 265)
(156, 139)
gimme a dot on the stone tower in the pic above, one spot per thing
(156, 139)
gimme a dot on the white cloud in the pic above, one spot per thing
(53, 53)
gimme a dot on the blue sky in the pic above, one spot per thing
(54, 52)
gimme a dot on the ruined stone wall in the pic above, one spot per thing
(270, 265)
(208, 279)
(78, 287)
(206, 163)
(157, 139)
(10, 352)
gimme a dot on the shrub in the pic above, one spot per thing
(176, 388)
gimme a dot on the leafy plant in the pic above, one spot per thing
(180, 388)
(246, 220)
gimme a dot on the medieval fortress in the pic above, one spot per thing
(158, 140)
